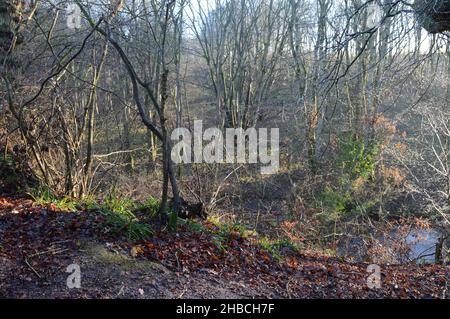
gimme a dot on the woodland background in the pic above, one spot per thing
(359, 89)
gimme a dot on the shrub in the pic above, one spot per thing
(119, 214)
(275, 247)
(151, 206)
(356, 159)
(354, 187)
(43, 196)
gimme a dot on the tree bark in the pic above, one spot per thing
(10, 12)
(433, 15)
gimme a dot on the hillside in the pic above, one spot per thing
(38, 243)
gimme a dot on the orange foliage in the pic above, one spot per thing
(393, 175)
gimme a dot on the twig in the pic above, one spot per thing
(34, 270)
(53, 251)
(182, 293)
(117, 153)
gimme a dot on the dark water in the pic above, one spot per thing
(419, 244)
(422, 244)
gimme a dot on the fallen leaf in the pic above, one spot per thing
(136, 251)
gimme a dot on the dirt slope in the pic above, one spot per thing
(37, 244)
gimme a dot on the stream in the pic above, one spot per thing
(417, 245)
(422, 244)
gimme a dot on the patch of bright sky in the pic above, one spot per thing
(195, 6)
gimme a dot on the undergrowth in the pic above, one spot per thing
(223, 233)
(354, 190)
(118, 211)
(120, 218)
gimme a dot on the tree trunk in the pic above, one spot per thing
(433, 15)
(10, 12)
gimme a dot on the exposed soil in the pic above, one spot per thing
(38, 243)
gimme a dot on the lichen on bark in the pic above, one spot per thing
(10, 14)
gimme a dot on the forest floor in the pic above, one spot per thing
(37, 244)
